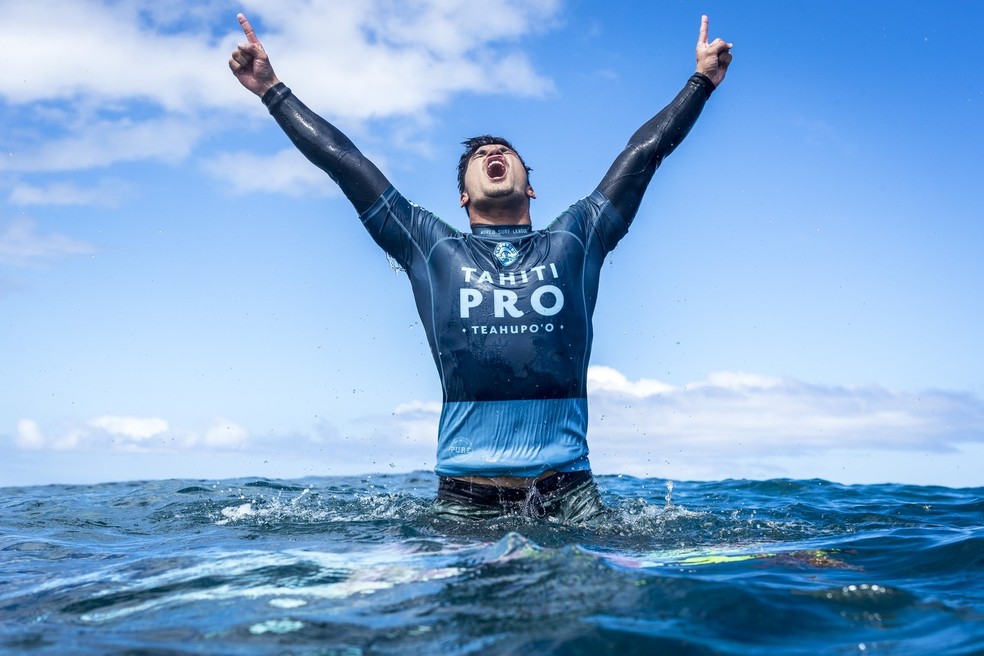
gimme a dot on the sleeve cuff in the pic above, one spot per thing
(275, 95)
(701, 79)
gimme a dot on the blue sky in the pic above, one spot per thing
(182, 295)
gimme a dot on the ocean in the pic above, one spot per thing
(360, 565)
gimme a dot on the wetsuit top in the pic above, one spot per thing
(506, 309)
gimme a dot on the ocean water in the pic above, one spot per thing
(359, 565)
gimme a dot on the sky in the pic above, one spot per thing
(182, 295)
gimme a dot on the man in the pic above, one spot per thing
(507, 309)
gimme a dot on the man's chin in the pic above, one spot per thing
(501, 190)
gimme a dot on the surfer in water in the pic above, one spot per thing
(506, 308)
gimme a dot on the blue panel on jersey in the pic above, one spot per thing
(512, 438)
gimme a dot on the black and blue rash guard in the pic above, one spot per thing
(507, 313)
(506, 309)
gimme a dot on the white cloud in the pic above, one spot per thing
(400, 58)
(606, 378)
(224, 434)
(29, 435)
(110, 192)
(162, 67)
(789, 415)
(742, 425)
(112, 433)
(109, 51)
(287, 172)
(417, 409)
(103, 143)
(21, 244)
(732, 425)
(384, 57)
(135, 428)
(738, 425)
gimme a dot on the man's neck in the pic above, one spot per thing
(499, 217)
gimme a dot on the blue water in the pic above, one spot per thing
(359, 565)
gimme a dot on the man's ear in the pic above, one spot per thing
(530, 193)
(465, 199)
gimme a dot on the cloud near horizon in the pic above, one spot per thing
(130, 434)
(735, 425)
(785, 414)
(730, 425)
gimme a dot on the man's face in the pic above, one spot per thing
(495, 172)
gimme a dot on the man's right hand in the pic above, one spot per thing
(713, 58)
(250, 64)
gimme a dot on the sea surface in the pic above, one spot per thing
(360, 565)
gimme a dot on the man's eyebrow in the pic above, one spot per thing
(481, 150)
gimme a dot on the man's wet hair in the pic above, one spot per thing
(473, 144)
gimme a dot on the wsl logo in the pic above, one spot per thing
(506, 253)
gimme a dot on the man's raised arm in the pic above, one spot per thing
(320, 141)
(627, 179)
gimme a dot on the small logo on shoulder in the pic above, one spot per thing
(506, 253)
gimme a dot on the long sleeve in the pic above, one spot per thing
(327, 148)
(630, 174)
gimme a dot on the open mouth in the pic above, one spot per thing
(495, 167)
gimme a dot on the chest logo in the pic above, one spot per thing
(506, 253)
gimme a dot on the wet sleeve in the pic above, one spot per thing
(327, 148)
(627, 179)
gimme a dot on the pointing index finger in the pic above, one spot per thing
(248, 29)
(702, 39)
